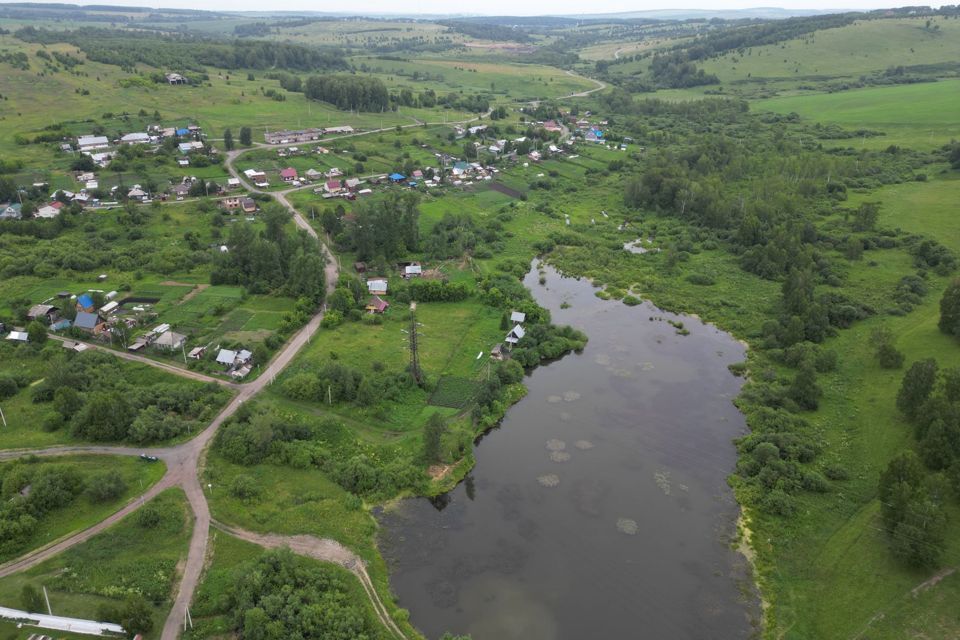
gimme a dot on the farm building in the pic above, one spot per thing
(42, 311)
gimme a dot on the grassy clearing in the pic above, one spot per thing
(127, 559)
(919, 116)
(290, 502)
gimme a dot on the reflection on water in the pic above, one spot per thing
(623, 534)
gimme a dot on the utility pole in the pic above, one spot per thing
(414, 356)
(47, 598)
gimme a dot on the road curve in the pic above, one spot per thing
(325, 550)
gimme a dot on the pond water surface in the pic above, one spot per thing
(599, 509)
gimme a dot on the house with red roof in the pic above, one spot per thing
(289, 174)
(377, 305)
(332, 186)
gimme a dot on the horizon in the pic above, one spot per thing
(428, 8)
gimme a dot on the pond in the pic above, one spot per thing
(600, 507)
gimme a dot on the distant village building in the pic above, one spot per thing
(377, 286)
(92, 143)
(175, 78)
(287, 136)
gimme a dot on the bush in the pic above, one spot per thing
(148, 516)
(244, 487)
(8, 387)
(106, 486)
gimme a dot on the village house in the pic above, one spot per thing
(85, 303)
(233, 183)
(332, 186)
(552, 126)
(412, 271)
(377, 286)
(92, 143)
(135, 138)
(338, 130)
(313, 174)
(249, 205)
(231, 204)
(48, 211)
(196, 353)
(377, 305)
(289, 174)
(351, 183)
(189, 147)
(180, 190)
(87, 322)
(170, 340)
(175, 78)
(10, 211)
(137, 193)
(334, 172)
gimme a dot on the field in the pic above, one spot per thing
(919, 116)
(845, 52)
(127, 559)
(83, 513)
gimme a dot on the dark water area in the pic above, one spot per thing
(599, 508)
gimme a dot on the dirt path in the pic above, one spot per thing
(193, 293)
(169, 368)
(325, 550)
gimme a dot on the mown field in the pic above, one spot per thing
(919, 116)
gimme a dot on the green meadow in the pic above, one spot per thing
(918, 116)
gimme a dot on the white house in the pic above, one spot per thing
(515, 335)
(135, 138)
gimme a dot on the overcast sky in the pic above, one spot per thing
(492, 7)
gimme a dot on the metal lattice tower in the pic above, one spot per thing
(414, 356)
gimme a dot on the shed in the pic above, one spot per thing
(517, 316)
(17, 336)
(226, 357)
(109, 308)
(41, 311)
(515, 335)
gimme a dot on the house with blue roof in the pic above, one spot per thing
(397, 177)
(85, 304)
(60, 325)
(183, 132)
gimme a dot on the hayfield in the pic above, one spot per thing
(918, 116)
